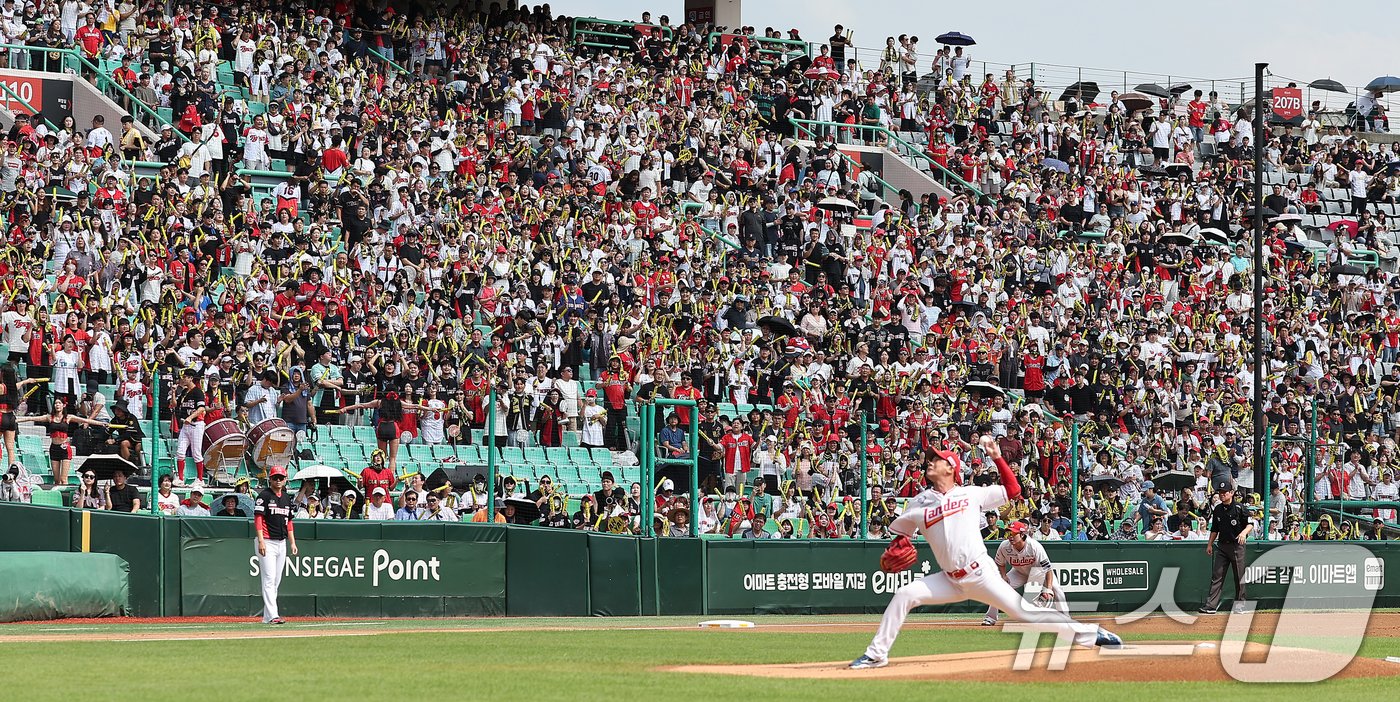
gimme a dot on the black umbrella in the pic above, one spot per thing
(1268, 213)
(777, 326)
(1154, 90)
(954, 39)
(1329, 85)
(1112, 482)
(969, 308)
(526, 511)
(1177, 169)
(104, 465)
(1179, 238)
(1179, 88)
(1384, 84)
(1173, 480)
(1084, 90)
(1134, 101)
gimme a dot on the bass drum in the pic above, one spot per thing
(224, 444)
(273, 443)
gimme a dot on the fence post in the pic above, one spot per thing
(1311, 478)
(1033, 71)
(1074, 481)
(864, 474)
(1268, 472)
(491, 456)
(155, 433)
(648, 466)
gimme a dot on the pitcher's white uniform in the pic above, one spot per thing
(1029, 565)
(965, 571)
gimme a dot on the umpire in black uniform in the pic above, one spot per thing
(1229, 527)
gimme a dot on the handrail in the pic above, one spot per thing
(388, 61)
(891, 191)
(575, 31)
(83, 61)
(685, 209)
(767, 46)
(911, 151)
(25, 104)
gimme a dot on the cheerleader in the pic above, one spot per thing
(60, 428)
(10, 387)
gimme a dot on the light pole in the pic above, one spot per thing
(1261, 469)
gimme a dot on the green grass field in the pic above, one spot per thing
(501, 659)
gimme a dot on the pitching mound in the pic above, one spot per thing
(1136, 662)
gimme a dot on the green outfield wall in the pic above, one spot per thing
(205, 566)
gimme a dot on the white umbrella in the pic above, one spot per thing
(837, 204)
(318, 471)
(1215, 236)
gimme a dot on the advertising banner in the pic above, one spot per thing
(792, 576)
(350, 568)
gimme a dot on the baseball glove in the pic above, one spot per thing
(899, 555)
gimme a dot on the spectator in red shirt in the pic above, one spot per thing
(738, 454)
(89, 38)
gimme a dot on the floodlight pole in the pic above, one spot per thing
(1261, 469)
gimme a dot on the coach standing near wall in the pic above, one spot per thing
(272, 523)
(1229, 527)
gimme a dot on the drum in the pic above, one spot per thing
(273, 442)
(224, 443)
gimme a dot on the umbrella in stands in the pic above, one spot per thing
(1084, 91)
(927, 84)
(1154, 90)
(1329, 85)
(1132, 102)
(1055, 164)
(1180, 238)
(105, 464)
(1348, 225)
(1179, 88)
(1268, 213)
(779, 327)
(245, 502)
(837, 204)
(1287, 218)
(1384, 84)
(981, 389)
(955, 39)
(1176, 170)
(821, 73)
(1215, 236)
(1111, 482)
(526, 511)
(1173, 480)
(318, 471)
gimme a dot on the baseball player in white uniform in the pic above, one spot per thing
(947, 514)
(1022, 560)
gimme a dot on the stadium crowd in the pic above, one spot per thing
(585, 230)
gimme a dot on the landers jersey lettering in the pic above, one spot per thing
(1032, 555)
(950, 522)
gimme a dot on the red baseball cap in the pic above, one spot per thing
(1017, 528)
(277, 470)
(952, 458)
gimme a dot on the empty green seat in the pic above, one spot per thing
(48, 498)
(535, 454)
(512, 454)
(602, 457)
(580, 457)
(557, 455)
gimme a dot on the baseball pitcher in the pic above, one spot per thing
(947, 514)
